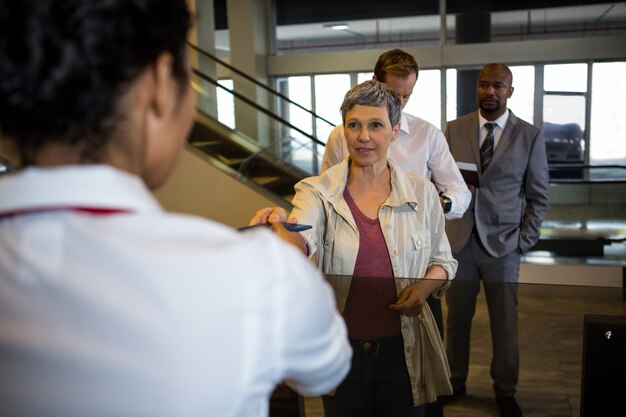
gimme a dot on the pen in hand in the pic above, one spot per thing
(292, 227)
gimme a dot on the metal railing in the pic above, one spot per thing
(261, 117)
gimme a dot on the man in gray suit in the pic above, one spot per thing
(502, 222)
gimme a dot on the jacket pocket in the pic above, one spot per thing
(419, 254)
(328, 249)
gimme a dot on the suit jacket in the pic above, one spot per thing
(512, 200)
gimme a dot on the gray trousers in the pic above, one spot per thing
(499, 277)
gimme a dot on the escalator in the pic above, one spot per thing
(245, 160)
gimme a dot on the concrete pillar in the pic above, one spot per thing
(471, 27)
(249, 28)
(203, 35)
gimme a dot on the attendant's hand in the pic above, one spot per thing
(411, 299)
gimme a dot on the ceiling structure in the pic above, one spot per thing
(303, 26)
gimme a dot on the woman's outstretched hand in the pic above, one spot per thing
(275, 216)
(269, 215)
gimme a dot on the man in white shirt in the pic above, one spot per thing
(421, 148)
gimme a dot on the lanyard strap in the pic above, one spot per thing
(94, 211)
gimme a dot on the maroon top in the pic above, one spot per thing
(373, 288)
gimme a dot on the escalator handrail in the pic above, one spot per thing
(257, 107)
(253, 80)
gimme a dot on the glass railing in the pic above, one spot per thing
(572, 344)
(566, 173)
(261, 149)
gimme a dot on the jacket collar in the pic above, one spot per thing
(332, 183)
(505, 140)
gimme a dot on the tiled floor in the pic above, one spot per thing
(551, 330)
(551, 340)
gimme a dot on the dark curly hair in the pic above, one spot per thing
(64, 64)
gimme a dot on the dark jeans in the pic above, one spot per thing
(377, 385)
(435, 307)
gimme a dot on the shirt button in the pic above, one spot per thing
(395, 252)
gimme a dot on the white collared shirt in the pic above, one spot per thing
(148, 313)
(497, 131)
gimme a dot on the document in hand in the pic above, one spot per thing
(469, 171)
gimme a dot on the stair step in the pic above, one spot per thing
(274, 176)
(231, 162)
(264, 180)
(206, 142)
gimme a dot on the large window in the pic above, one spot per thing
(330, 90)
(425, 102)
(608, 124)
(522, 101)
(297, 116)
(226, 104)
(451, 110)
(573, 111)
(564, 104)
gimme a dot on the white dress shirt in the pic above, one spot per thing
(420, 148)
(147, 313)
(497, 131)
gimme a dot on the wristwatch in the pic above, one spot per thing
(447, 203)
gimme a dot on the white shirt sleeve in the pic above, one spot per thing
(336, 149)
(446, 175)
(317, 354)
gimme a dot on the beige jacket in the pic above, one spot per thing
(412, 222)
